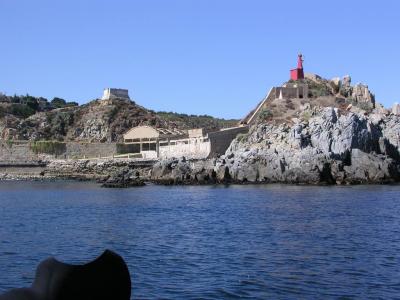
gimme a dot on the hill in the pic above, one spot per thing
(338, 93)
(30, 118)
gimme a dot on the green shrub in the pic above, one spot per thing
(22, 110)
(112, 113)
(265, 115)
(10, 143)
(48, 147)
(242, 137)
(306, 115)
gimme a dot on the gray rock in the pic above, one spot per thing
(396, 109)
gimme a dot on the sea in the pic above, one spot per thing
(211, 242)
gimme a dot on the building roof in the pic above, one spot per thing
(152, 132)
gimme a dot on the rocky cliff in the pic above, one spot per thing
(333, 147)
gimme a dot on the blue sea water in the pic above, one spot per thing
(211, 242)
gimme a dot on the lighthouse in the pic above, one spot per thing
(298, 73)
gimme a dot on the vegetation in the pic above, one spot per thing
(195, 121)
(113, 113)
(10, 143)
(316, 89)
(241, 137)
(60, 103)
(25, 106)
(335, 87)
(265, 115)
(22, 110)
(3, 111)
(306, 115)
(48, 147)
(367, 106)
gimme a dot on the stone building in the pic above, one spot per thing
(111, 93)
(194, 143)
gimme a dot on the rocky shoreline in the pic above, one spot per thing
(331, 147)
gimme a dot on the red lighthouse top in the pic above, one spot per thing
(298, 73)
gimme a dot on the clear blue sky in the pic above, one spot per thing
(216, 57)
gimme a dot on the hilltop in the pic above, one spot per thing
(320, 92)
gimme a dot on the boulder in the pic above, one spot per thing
(361, 94)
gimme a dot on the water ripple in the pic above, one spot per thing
(241, 242)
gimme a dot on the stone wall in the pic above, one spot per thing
(115, 93)
(89, 150)
(220, 140)
(14, 152)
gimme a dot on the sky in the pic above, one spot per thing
(215, 57)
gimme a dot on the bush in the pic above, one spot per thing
(58, 102)
(22, 110)
(265, 115)
(3, 111)
(242, 137)
(306, 115)
(48, 147)
(113, 112)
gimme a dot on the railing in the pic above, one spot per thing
(114, 156)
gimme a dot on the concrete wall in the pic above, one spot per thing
(195, 148)
(220, 140)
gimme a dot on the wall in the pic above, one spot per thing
(115, 93)
(220, 140)
(195, 148)
(89, 150)
(16, 152)
(20, 151)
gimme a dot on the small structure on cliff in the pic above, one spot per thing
(196, 143)
(298, 73)
(112, 93)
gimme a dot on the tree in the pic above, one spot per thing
(58, 102)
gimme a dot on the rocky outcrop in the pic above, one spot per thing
(362, 95)
(181, 171)
(102, 170)
(333, 147)
(123, 178)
